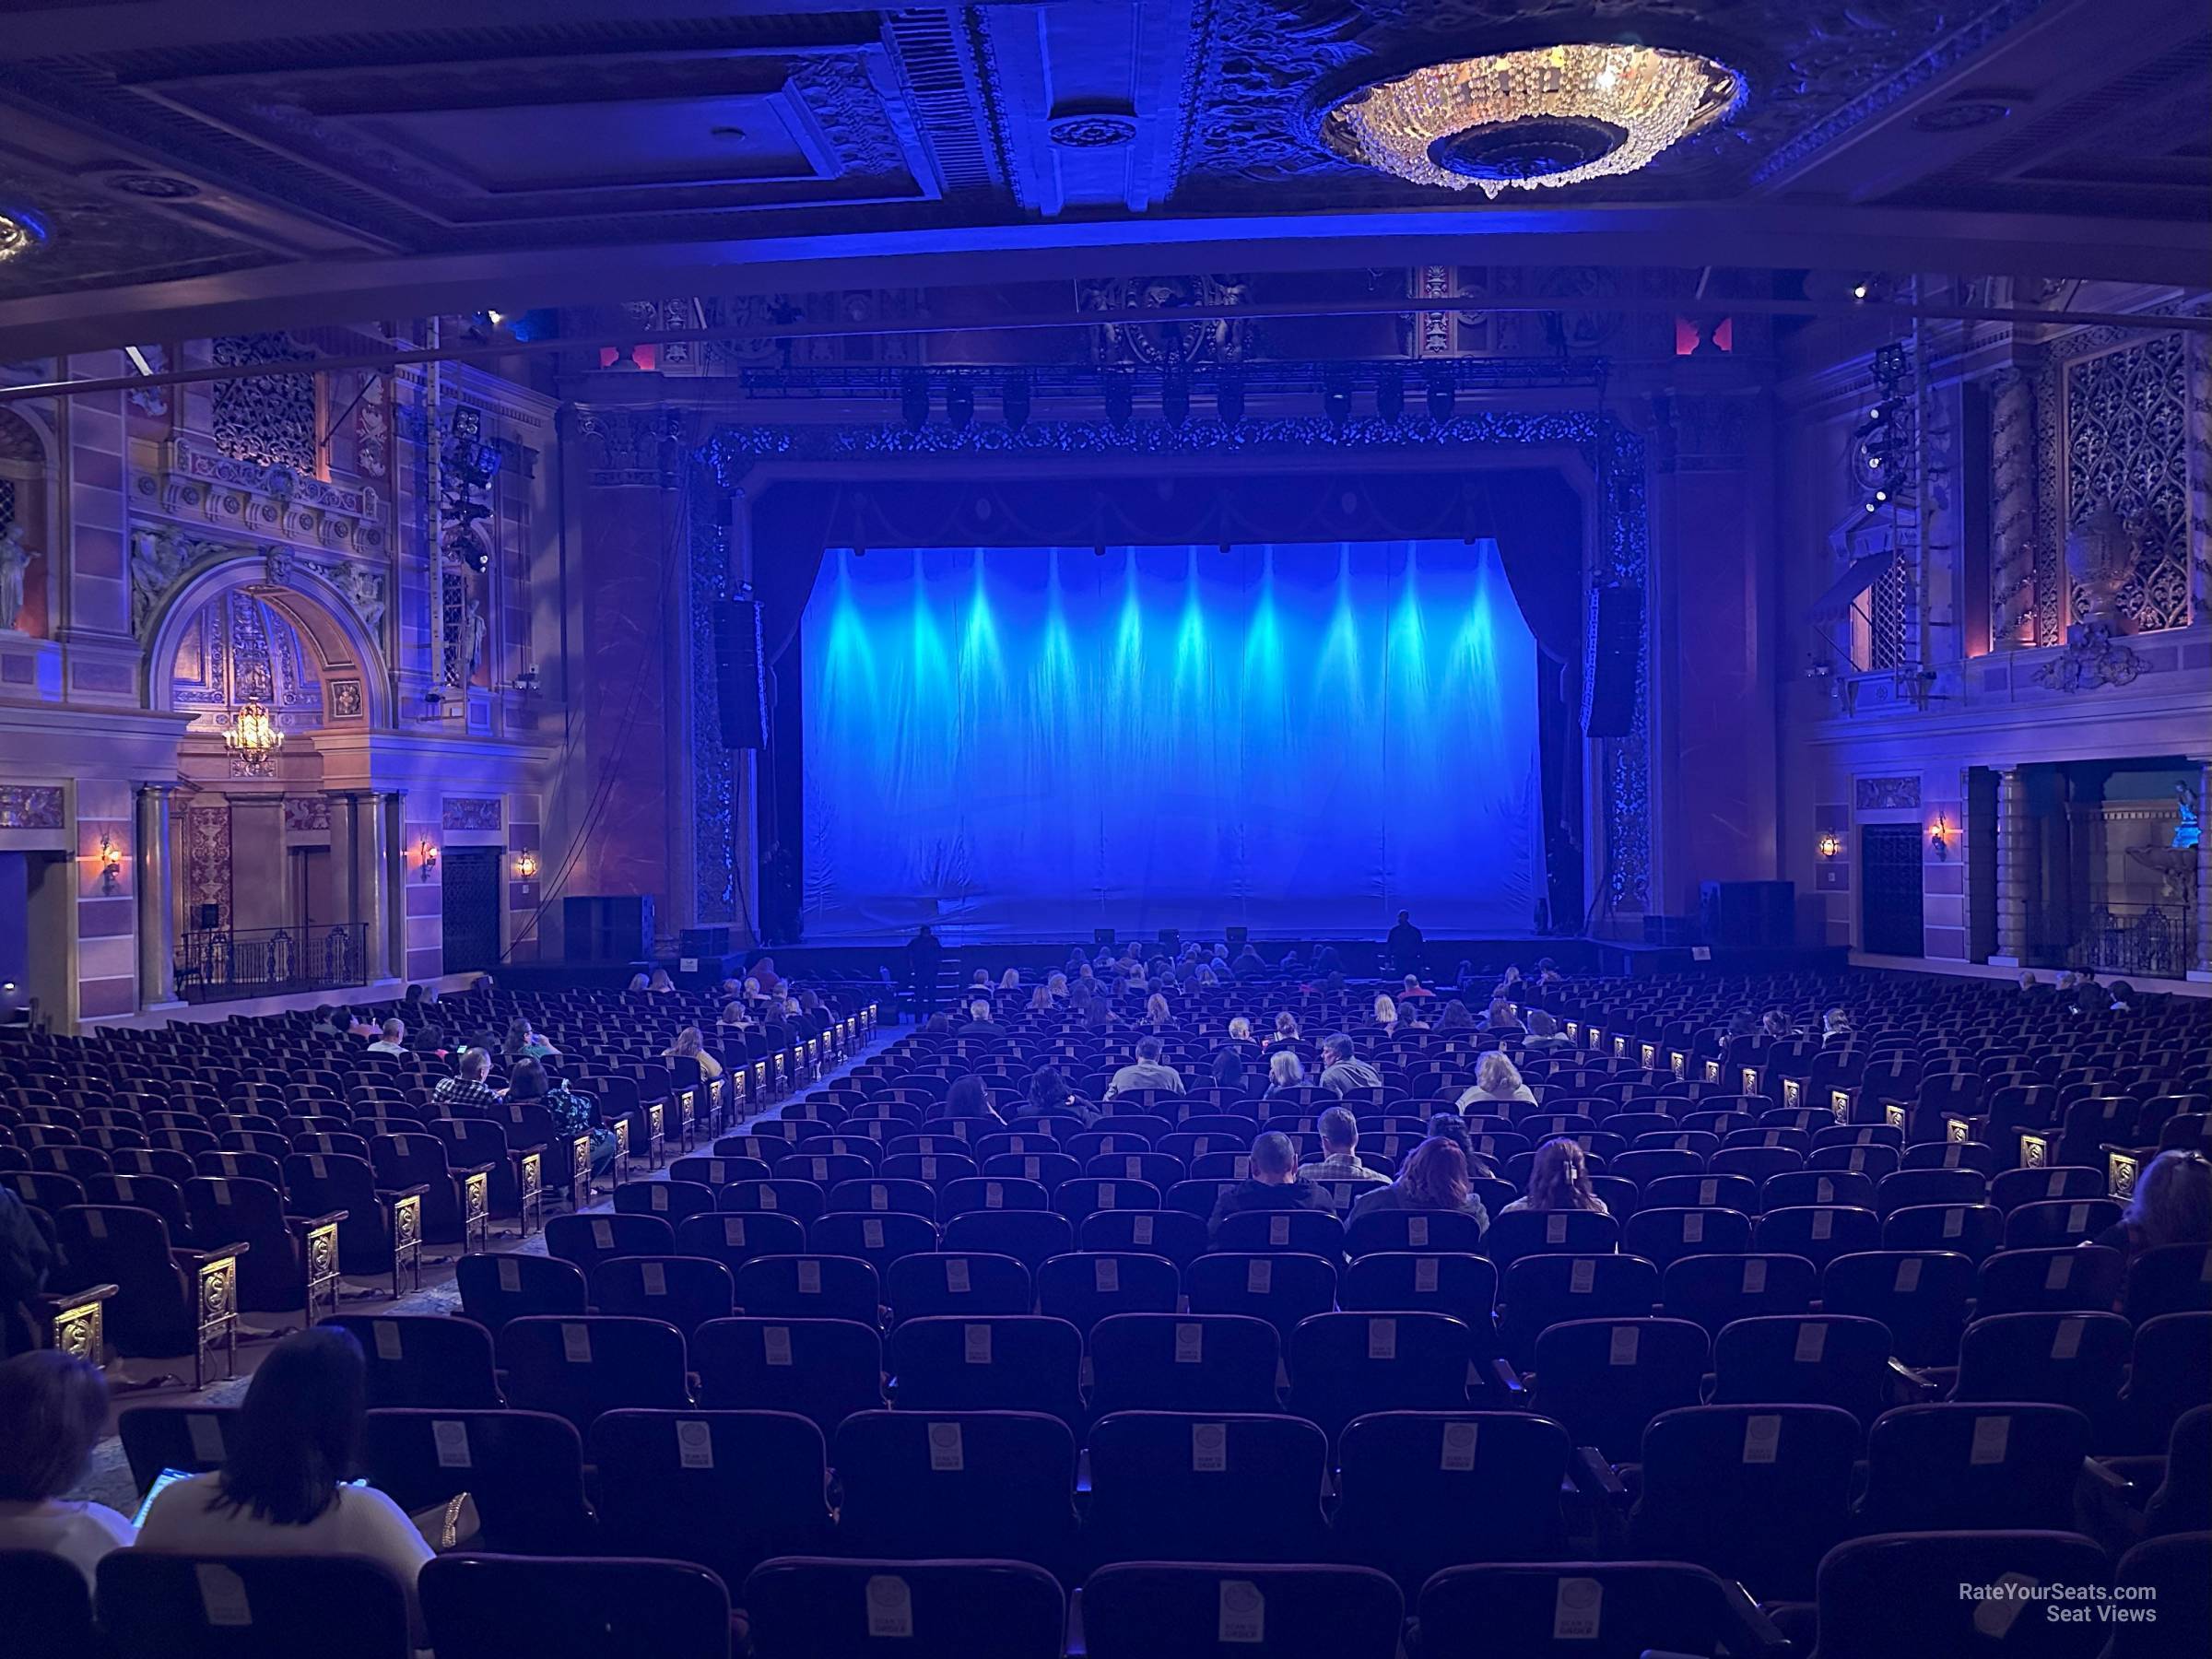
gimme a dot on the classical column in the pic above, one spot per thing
(259, 891)
(2201, 968)
(155, 883)
(344, 895)
(360, 845)
(2013, 868)
(2012, 507)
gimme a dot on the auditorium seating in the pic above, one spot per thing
(1784, 1365)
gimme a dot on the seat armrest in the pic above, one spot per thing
(466, 1170)
(197, 1259)
(1763, 1639)
(1594, 1477)
(1507, 1379)
(298, 1223)
(2112, 1505)
(389, 1194)
(1913, 1384)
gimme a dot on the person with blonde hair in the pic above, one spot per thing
(1240, 1029)
(690, 1046)
(1497, 1079)
(1386, 1013)
(1501, 1017)
(1285, 1072)
(2171, 1204)
(1056, 987)
(1156, 1010)
(1010, 980)
(1040, 1000)
(1560, 1180)
(1543, 1032)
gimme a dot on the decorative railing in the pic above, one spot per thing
(2145, 939)
(227, 964)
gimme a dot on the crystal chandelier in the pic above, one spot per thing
(1551, 115)
(253, 739)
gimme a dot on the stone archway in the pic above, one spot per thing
(355, 687)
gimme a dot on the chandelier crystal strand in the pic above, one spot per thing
(254, 738)
(1551, 116)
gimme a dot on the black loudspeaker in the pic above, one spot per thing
(211, 917)
(1748, 912)
(1101, 935)
(1610, 645)
(1671, 930)
(739, 673)
(612, 929)
(1171, 938)
(1237, 937)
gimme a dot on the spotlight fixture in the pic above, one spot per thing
(1119, 395)
(1175, 400)
(1859, 291)
(1337, 399)
(913, 399)
(1547, 116)
(1014, 402)
(960, 404)
(1441, 391)
(1390, 395)
(1229, 399)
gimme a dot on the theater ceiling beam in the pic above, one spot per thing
(1757, 234)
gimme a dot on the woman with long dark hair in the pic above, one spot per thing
(1434, 1177)
(1560, 1180)
(282, 1489)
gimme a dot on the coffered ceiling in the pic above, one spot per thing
(257, 162)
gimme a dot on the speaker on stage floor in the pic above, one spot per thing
(1748, 912)
(739, 673)
(617, 928)
(1610, 644)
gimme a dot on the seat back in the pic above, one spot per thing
(1167, 1486)
(810, 1286)
(1888, 1595)
(2171, 1374)
(1921, 1297)
(684, 1291)
(579, 1368)
(1583, 1610)
(994, 1363)
(1084, 1287)
(1546, 1290)
(922, 1484)
(1280, 1288)
(1531, 1232)
(523, 1471)
(424, 1359)
(2066, 1358)
(1159, 1611)
(1665, 1236)
(566, 1608)
(1422, 1491)
(588, 1240)
(1803, 1358)
(1175, 1234)
(1950, 1467)
(822, 1369)
(1462, 1285)
(496, 1289)
(193, 1438)
(724, 1490)
(1346, 1365)
(2050, 1279)
(811, 1608)
(1306, 1232)
(956, 1282)
(49, 1606)
(157, 1605)
(1604, 1379)
(1184, 1362)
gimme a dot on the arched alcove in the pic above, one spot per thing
(336, 651)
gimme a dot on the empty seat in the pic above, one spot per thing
(671, 1200)
(1948, 1468)
(1531, 1233)
(1889, 1594)
(425, 1359)
(1465, 1287)
(1585, 1610)
(496, 1289)
(1184, 1362)
(1175, 1234)
(2045, 1184)
(579, 1368)
(588, 1240)
(49, 1606)
(882, 1195)
(1307, 1233)
(1031, 1236)
(1909, 1188)
(2168, 1278)
(2173, 1577)
(1424, 1490)
(1084, 1287)
(801, 1199)
(877, 1239)
(2169, 1373)
(1166, 1486)
(2070, 1359)
(1972, 1230)
(1708, 1190)
(1159, 1611)
(1420, 1230)
(517, 1607)
(956, 1282)
(921, 1484)
(2050, 1279)
(523, 1470)
(822, 1369)
(1711, 1291)
(1346, 1365)
(1758, 1493)
(1920, 1296)
(1604, 1379)
(1546, 1290)
(193, 1439)
(1280, 1288)
(1818, 1234)
(810, 1286)
(810, 1607)
(684, 1291)
(726, 1489)
(735, 1238)
(1019, 1363)
(158, 1606)
(1665, 1236)
(2058, 1221)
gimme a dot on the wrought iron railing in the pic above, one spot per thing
(227, 963)
(2137, 938)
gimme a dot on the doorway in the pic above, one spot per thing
(1889, 857)
(472, 907)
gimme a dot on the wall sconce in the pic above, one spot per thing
(425, 855)
(1939, 840)
(526, 866)
(1830, 844)
(111, 863)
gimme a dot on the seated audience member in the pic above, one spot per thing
(1291, 962)
(1775, 1024)
(1098, 1016)
(1010, 981)
(572, 1114)
(1435, 1177)
(1148, 1071)
(1501, 1017)
(978, 1022)
(2123, 997)
(1240, 1031)
(53, 1408)
(1249, 964)
(1497, 1079)
(1548, 972)
(690, 1046)
(1056, 987)
(1229, 1070)
(1040, 1000)
(1327, 959)
(1286, 1073)
(1273, 1183)
(2171, 1204)
(1544, 1033)
(1285, 1030)
(1559, 1181)
(1156, 1011)
(639, 982)
(1450, 1126)
(26, 1256)
(661, 985)
(281, 1490)
(1743, 1023)
(734, 1017)
(969, 1098)
(1413, 1015)
(1339, 1158)
(1048, 1094)
(392, 1038)
(2031, 985)
(1413, 990)
(1456, 1016)
(981, 979)
(1341, 1070)
(1387, 1015)
(469, 1088)
(522, 1039)
(1835, 1030)
(763, 973)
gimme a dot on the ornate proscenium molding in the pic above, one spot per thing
(636, 447)
(2093, 657)
(268, 502)
(1613, 453)
(162, 558)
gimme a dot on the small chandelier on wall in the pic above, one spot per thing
(253, 739)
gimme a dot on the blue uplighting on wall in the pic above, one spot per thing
(1022, 742)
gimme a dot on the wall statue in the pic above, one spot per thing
(15, 559)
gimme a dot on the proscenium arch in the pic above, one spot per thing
(311, 604)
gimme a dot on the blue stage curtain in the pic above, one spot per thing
(1016, 742)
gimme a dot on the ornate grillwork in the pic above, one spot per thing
(225, 964)
(2127, 449)
(267, 419)
(2144, 940)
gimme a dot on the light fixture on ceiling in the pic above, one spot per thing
(19, 234)
(253, 739)
(1547, 116)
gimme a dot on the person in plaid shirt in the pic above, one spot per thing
(468, 1088)
(1340, 1148)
